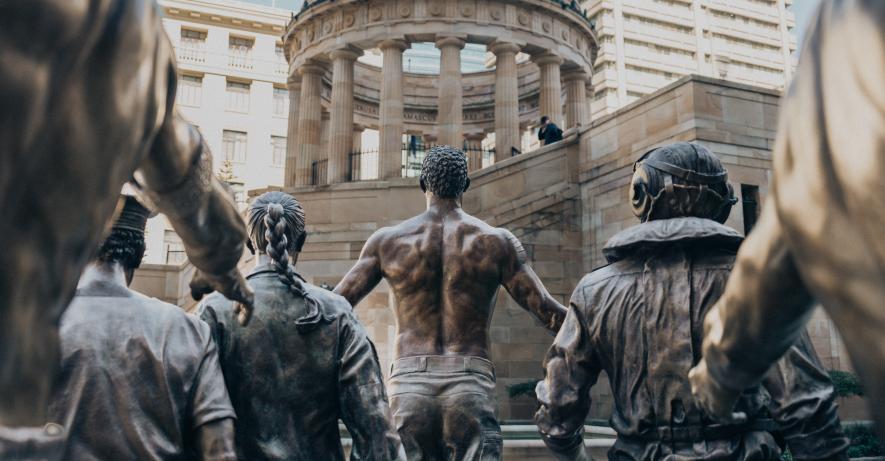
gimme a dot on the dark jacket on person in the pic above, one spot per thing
(639, 319)
(550, 134)
(138, 376)
(292, 374)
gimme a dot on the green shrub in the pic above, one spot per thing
(864, 442)
(527, 388)
(845, 383)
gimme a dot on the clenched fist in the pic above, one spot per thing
(232, 285)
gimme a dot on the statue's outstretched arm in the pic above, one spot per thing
(803, 403)
(759, 316)
(177, 177)
(364, 275)
(363, 399)
(216, 440)
(570, 370)
(526, 288)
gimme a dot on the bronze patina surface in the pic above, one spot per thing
(88, 91)
(820, 236)
(444, 268)
(304, 361)
(140, 378)
(639, 320)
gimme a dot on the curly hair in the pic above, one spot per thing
(444, 172)
(123, 246)
(276, 224)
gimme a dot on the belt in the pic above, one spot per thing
(709, 432)
(442, 363)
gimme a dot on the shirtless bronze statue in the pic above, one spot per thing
(140, 378)
(444, 267)
(639, 320)
(820, 236)
(317, 364)
(88, 91)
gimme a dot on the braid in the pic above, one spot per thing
(277, 249)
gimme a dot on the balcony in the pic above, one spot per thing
(241, 59)
(196, 55)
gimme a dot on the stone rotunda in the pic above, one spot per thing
(324, 41)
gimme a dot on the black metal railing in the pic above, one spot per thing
(413, 156)
(319, 172)
(363, 166)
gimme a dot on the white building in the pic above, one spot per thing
(646, 44)
(232, 85)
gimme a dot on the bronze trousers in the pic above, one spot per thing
(444, 408)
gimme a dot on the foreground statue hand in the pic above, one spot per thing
(717, 401)
(232, 285)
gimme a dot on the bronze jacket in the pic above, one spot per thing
(292, 376)
(639, 320)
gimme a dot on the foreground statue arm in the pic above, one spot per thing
(364, 275)
(177, 176)
(763, 309)
(216, 440)
(526, 288)
(803, 402)
(564, 394)
(363, 400)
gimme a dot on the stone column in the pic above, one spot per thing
(474, 155)
(341, 112)
(390, 142)
(310, 113)
(449, 118)
(588, 89)
(575, 98)
(506, 98)
(292, 144)
(551, 87)
(355, 163)
(357, 138)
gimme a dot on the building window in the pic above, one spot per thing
(280, 102)
(190, 90)
(278, 147)
(193, 46)
(282, 65)
(750, 202)
(233, 146)
(240, 50)
(238, 96)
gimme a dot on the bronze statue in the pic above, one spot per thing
(444, 267)
(140, 378)
(88, 91)
(639, 320)
(304, 362)
(820, 236)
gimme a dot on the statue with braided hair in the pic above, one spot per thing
(88, 103)
(304, 362)
(444, 267)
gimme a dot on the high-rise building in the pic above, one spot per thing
(232, 86)
(646, 44)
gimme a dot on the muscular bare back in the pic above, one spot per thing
(444, 267)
